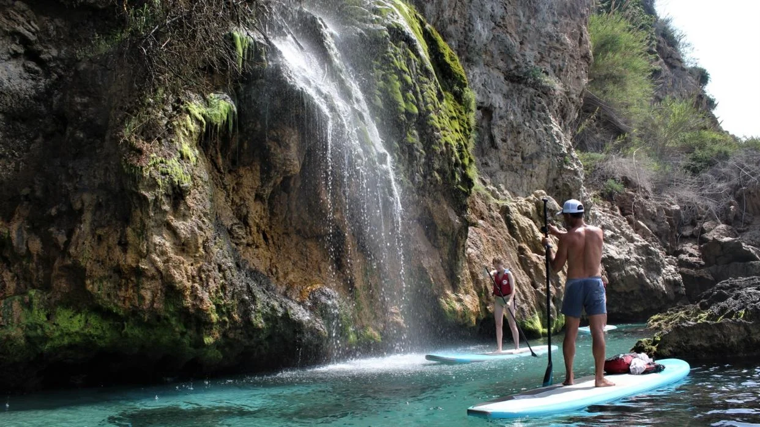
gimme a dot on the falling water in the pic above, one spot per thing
(354, 150)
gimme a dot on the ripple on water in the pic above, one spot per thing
(397, 390)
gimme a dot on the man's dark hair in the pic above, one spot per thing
(576, 215)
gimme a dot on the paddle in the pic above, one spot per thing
(510, 313)
(548, 374)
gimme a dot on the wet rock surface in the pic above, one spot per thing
(146, 240)
(725, 323)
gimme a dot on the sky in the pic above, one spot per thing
(725, 40)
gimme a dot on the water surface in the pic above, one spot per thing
(395, 390)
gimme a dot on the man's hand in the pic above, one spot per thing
(554, 231)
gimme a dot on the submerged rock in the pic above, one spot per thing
(725, 323)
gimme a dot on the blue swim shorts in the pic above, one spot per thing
(586, 294)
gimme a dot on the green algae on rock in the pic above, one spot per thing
(725, 323)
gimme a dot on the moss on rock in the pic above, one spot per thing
(218, 111)
(535, 325)
(34, 325)
(721, 325)
(422, 91)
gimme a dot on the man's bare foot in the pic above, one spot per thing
(604, 382)
(568, 382)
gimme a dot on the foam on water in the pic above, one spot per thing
(400, 362)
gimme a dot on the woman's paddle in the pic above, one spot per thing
(510, 313)
(548, 374)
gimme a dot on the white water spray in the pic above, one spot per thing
(355, 150)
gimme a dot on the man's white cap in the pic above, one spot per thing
(571, 206)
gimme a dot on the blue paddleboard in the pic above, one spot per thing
(457, 358)
(557, 399)
(587, 330)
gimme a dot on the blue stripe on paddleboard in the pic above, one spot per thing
(459, 358)
(558, 399)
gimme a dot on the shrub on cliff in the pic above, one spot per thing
(676, 132)
(620, 73)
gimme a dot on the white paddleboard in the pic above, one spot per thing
(557, 399)
(587, 330)
(457, 358)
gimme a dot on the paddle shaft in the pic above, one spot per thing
(548, 374)
(506, 304)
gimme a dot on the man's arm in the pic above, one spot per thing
(557, 261)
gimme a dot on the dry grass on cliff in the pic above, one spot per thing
(635, 172)
(180, 44)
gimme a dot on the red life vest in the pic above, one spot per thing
(501, 282)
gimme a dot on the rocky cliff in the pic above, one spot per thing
(268, 222)
(332, 184)
(528, 64)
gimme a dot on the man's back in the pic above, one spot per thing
(584, 251)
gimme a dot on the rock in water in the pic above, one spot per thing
(724, 323)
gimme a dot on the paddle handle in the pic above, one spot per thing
(549, 368)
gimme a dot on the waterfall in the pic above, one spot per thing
(358, 170)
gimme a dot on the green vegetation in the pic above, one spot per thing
(217, 112)
(432, 106)
(589, 160)
(535, 326)
(658, 139)
(613, 187)
(170, 166)
(33, 326)
(170, 171)
(242, 44)
(621, 71)
(456, 311)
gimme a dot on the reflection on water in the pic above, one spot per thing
(396, 390)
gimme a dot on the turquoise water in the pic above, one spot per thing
(397, 390)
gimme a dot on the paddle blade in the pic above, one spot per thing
(548, 380)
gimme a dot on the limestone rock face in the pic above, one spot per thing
(674, 77)
(656, 222)
(221, 231)
(528, 63)
(726, 250)
(725, 323)
(508, 228)
(642, 278)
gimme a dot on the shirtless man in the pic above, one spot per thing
(581, 248)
